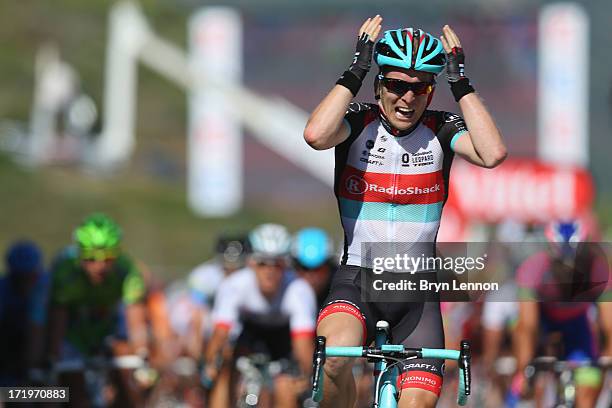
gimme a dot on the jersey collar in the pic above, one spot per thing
(396, 132)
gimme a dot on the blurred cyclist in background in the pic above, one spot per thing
(23, 294)
(556, 290)
(190, 301)
(268, 309)
(312, 253)
(95, 287)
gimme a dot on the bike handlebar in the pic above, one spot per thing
(392, 351)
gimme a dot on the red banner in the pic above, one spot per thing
(520, 189)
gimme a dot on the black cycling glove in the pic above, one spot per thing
(455, 73)
(455, 65)
(362, 61)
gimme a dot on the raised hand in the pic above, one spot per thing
(362, 60)
(455, 58)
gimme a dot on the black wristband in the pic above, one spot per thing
(461, 88)
(350, 82)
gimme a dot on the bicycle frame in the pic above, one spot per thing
(387, 357)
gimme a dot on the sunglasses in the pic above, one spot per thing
(98, 254)
(91, 260)
(399, 87)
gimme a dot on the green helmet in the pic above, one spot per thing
(98, 237)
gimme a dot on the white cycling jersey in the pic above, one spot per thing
(500, 308)
(194, 296)
(204, 281)
(239, 293)
(391, 187)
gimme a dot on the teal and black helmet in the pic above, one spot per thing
(98, 237)
(410, 48)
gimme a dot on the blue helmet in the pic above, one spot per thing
(311, 247)
(23, 257)
(564, 236)
(566, 232)
(410, 48)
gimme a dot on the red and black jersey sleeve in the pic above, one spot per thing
(358, 116)
(445, 125)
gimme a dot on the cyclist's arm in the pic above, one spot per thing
(605, 320)
(303, 348)
(35, 346)
(225, 316)
(483, 144)
(525, 334)
(134, 297)
(215, 347)
(196, 329)
(326, 127)
(300, 302)
(38, 318)
(58, 313)
(58, 322)
(136, 318)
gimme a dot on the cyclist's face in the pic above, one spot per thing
(317, 277)
(269, 275)
(97, 269)
(404, 111)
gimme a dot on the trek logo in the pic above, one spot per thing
(356, 185)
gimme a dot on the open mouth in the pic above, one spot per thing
(404, 113)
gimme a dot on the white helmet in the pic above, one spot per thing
(270, 241)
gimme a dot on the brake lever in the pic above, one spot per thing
(318, 361)
(465, 358)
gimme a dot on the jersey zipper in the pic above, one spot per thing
(393, 207)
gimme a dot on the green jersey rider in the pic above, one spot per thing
(97, 294)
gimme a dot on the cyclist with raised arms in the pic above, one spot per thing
(393, 163)
(97, 293)
(265, 308)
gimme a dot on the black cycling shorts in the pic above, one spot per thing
(413, 324)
